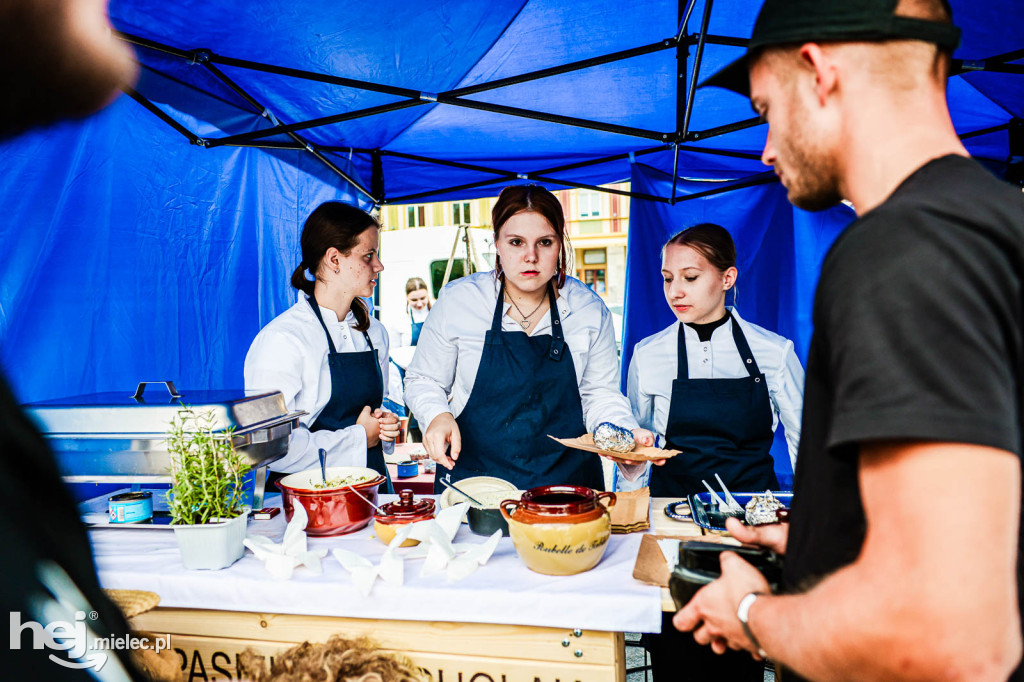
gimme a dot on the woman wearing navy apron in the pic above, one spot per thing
(327, 354)
(403, 346)
(713, 386)
(507, 358)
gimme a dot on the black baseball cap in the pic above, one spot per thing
(782, 22)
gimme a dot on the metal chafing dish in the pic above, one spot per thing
(119, 437)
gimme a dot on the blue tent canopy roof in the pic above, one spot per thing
(415, 68)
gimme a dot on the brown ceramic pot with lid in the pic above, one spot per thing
(560, 529)
(405, 510)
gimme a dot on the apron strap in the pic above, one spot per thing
(499, 308)
(741, 345)
(557, 348)
(683, 368)
(316, 311)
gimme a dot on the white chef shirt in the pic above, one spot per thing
(290, 355)
(655, 363)
(452, 340)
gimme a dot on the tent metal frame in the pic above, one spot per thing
(674, 141)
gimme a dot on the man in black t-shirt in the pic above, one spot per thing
(903, 554)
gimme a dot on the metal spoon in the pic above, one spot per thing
(733, 504)
(323, 465)
(466, 495)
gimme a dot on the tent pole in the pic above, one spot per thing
(260, 109)
(757, 179)
(722, 130)
(683, 112)
(162, 115)
(564, 68)
(316, 122)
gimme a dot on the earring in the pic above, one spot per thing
(336, 272)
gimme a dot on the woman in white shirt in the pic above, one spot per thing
(327, 354)
(715, 387)
(404, 339)
(712, 384)
(509, 357)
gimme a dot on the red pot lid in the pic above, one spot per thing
(406, 508)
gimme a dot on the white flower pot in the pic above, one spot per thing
(212, 545)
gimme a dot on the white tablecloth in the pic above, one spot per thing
(503, 591)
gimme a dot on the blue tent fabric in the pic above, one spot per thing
(132, 254)
(779, 250)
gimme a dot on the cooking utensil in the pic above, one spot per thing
(449, 484)
(333, 511)
(722, 504)
(560, 529)
(733, 504)
(323, 465)
(394, 514)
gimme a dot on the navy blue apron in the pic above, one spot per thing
(356, 382)
(722, 426)
(525, 390)
(417, 327)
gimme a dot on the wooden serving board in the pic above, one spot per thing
(641, 453)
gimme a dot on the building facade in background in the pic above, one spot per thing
(598, 225)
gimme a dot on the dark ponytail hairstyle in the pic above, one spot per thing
(536, 199)
(332, 224)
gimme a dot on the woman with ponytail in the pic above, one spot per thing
(327, 354)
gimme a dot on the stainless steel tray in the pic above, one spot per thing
(120, 437)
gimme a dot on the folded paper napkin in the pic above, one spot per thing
(631, 512)
(458, 560)
(281, 559)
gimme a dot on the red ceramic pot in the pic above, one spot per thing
(331, 511)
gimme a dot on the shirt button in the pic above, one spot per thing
(705, 349)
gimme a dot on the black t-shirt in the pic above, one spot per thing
(917, 335)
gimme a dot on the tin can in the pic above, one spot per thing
(408, 469)
(136, 507)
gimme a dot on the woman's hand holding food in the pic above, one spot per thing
(389, 426)
(371, 424)
(442, 431)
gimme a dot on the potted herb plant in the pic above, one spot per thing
(205, 498)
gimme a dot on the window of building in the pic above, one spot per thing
(589, 204)
(417, 216)
(595, 279)
(460, 213)
(595, 256)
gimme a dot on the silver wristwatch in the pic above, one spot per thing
(742, 611)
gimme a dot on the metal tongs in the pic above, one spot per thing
(729, 504)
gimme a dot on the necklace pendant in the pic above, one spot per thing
(525, 323)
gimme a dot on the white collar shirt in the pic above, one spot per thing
(290, 355)
(443, 370)
(655, 362)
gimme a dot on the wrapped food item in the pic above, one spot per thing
(763, 509)
(608, 436)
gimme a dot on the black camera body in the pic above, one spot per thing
(699, 565)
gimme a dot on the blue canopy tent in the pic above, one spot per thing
(154, 239)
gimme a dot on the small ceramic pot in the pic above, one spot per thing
(560, 529)
(395, 514)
